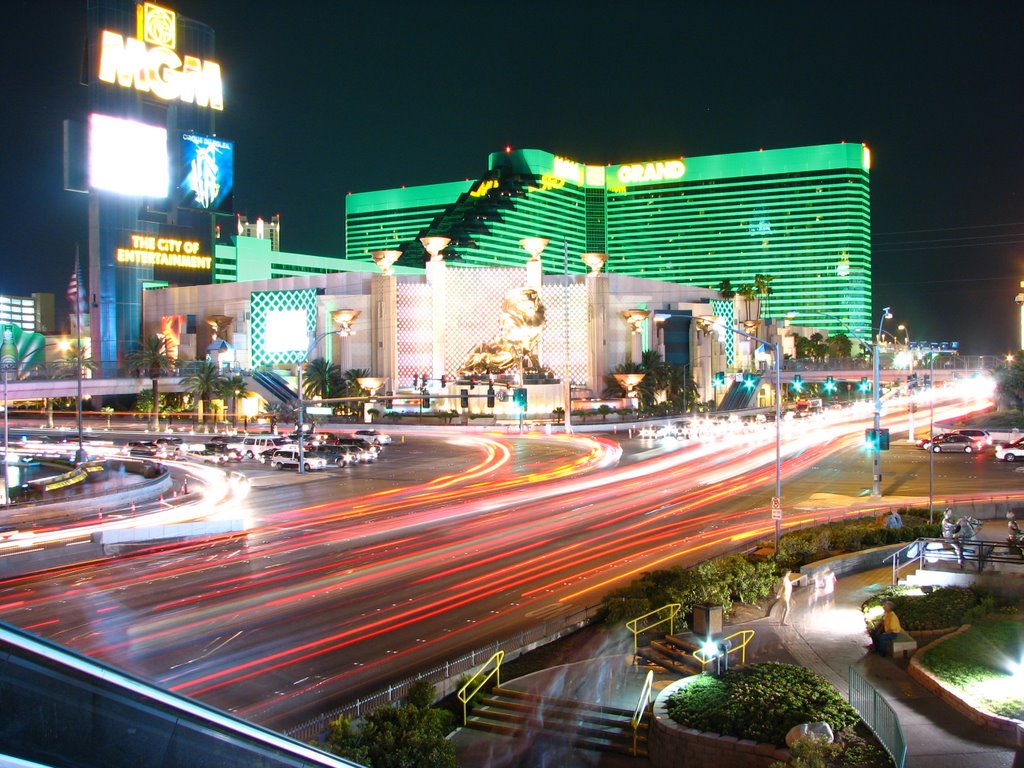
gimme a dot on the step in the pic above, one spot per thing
(621, 743)
(559, 712)
(554, 700)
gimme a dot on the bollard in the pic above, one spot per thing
(184, 488)
(133, 509)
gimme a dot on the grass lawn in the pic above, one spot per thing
(985, 664)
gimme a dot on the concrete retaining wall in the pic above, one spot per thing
(671, 745)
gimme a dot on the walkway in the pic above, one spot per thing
(825, 635)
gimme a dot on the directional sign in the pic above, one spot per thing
(319, 410)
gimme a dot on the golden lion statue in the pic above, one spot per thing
(519, 328)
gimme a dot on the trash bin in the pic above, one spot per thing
(707, 620)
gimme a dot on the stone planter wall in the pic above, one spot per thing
(671, 745)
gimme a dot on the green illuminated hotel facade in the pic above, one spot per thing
(801, 216)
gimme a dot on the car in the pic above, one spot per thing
(979, 436)
(652, 432)
(288, 456)
(254, 446)
(372, 449)
(952, 442)
(207, 456)
(229, 453)
(338, 455)
(1012, 452)
(372, 436)
(143, 448)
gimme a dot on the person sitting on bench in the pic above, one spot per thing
(887, 628)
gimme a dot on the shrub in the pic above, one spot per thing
(940, 609)
(760, 702)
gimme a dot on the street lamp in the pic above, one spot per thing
(876, 475)
(8, 365)
(910, 377)
(777, 500)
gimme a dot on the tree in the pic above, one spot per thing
(152, 357)
(203, 383)
(763, 286)
(725, 290)
(277, 412)
(234, 388)
(322, 379)
(840, 346)
(680, 386)
(1010, 383)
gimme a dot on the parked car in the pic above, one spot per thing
(253, 446)
(979, 436)
(372, 436)
(952, 442)
(288, 457)
(1012, 452)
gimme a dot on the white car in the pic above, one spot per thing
(288, 456)
(254, 446)
(1012, 452)
(373, 436)
(207, 456)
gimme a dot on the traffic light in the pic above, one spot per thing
(865, 385)
(490, 396)
(830, 384)
(798, 383)
(876, 439)
(748, 380)
(520, 398)
(719, 379)
(444, 380)
(464, 398)
(415, 379)
(425, 401)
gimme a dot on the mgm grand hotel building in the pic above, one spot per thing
(800, 216)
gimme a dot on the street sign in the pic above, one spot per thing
(776, 514)
(776, 502)
(318, 410)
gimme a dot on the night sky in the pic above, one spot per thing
(323, 98)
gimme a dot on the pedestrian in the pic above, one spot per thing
(894, 520)
(887, 629)
(1013, 535)
(785, 594)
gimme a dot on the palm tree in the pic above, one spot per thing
(277, 412)
(725, 289)
(234, 388)
(763, 286)
(203, 383)
(322, 379)
(152, 358)
(680, 386)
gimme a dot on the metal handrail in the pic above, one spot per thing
(642, 704)
(465, 697)
(633, 624)
(977, 551)
(746, 634)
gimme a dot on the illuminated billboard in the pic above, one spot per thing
(281, 325)
(150, 63)
(207, 174)
(171, 327)
(128, 157)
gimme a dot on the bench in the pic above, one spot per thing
(903, 644)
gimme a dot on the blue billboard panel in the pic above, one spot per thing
(207, 178)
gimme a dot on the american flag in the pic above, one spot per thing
(75, 289)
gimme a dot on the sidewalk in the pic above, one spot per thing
(826, 635)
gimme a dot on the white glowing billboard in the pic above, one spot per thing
(128, 157)
(285, 331)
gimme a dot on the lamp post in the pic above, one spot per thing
(931, 436)
(777, 500)
(910, 377)
(876, 473)
(8, 365)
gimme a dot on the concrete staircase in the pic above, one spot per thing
(583, 726)
(673, 652)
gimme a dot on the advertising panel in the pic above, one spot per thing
(177, 255)
(128, 157)
(281, 325)
(206, 178)
(171, 328)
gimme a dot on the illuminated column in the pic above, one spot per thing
(597, 325)
(703, 340)
(344, 320)
(436, 273)
(534, 268)
(384, 323)
(635, 319)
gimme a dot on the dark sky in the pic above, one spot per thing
(323, 98)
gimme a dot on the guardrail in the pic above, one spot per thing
(633, 625)
(643, 704)
(484, 675)
(978, 552)
(724, 644)
(879, 716)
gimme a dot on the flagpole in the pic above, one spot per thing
(80, 455)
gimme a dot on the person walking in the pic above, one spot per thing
(785, 594)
